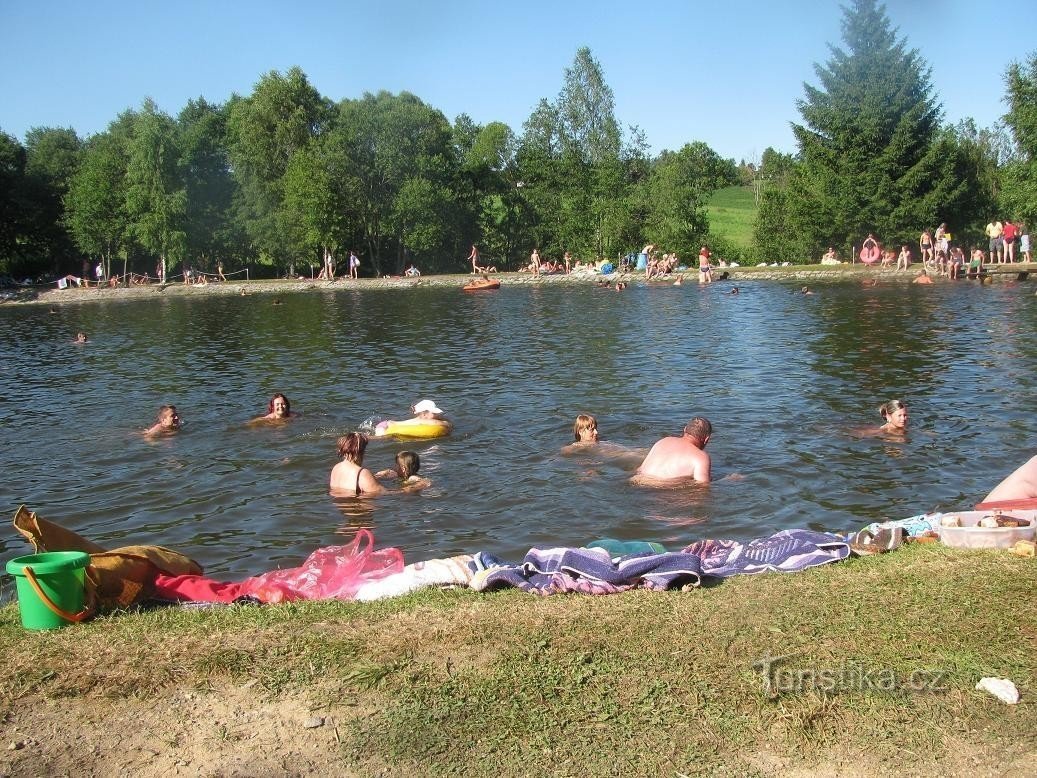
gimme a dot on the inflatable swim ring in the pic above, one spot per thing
(481, 283)
(414, 428)
(869, 256)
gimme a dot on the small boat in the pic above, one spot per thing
(480, 284)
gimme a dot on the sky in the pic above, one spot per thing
(725, 72)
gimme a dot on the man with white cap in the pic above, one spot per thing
(427, 409)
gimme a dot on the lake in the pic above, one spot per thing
(785, 378)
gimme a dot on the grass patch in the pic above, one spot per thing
(641, 683)
(732, 215)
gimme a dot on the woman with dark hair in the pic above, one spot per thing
(349, 477)
(277, 409)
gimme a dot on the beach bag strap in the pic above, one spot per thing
(76, 618)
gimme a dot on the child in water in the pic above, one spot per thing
(407, 465)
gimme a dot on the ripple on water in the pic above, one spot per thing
(785, 378)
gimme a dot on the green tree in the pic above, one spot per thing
(402, 154)
(1020, 174)
(13, 205)
(52, 156)
(281, 117)
(156, 200)
(210, 229)
(868, 150)
(95, 205)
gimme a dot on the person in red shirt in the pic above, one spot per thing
(1008, 235)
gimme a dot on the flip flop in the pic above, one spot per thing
(866, 542)
(863, 543)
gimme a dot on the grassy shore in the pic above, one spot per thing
(881, 657)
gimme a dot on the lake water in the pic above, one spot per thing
(785, 378)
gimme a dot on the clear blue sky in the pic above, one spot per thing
(726, 72)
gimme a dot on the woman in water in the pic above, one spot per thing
(349, 478)
(277, 409)
(895, 414)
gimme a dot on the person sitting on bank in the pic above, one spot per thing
(167, 423)
(349, 478)
(830, 257)
(1021, 484)
(407, 465)
(679, 457)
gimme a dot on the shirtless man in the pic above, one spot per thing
(168, 422)
(680, 457)
(473, 257)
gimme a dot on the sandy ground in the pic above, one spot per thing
(51, 296)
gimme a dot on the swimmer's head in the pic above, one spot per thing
(279, 406)
(352, 447)
(407, 464)
(699, 428)
(585, 428)
(168, 417)
(894, 412)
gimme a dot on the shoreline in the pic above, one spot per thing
(815, 273)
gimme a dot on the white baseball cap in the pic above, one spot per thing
(427, 405)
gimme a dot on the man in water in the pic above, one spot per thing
(680, 457)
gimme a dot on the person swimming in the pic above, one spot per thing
(349, 478)
(167, 423)
(585, 433)
(407, 465)
(895, 414)
(277, 409)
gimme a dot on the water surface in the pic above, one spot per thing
(785, 378)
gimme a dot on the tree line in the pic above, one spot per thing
(284, 177)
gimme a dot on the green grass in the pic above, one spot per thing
(640, 683)
(732, 215)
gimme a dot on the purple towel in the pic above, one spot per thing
(591, 570)
(786, 551)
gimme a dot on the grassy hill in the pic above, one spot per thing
(732, 215)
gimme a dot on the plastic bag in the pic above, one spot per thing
(333, 572)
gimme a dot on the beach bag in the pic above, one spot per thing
(114, 579)
(330, 573)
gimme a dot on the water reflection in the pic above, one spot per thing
(784, 377)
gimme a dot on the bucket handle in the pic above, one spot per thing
(76, 618)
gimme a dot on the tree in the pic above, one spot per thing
(13, 206)
(95, 206)
(52, 156)
(156, 200)
(402, 154)
(209, 186)
(265, 130)
(1020, 175)
(869, 157)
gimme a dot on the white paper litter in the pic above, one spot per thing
(1001, 688)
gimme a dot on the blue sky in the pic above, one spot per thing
(728, 72)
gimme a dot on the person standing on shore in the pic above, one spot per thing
(534, 262)
(705, 269)
(354, 265)
(1008, 236)
(473, 257)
